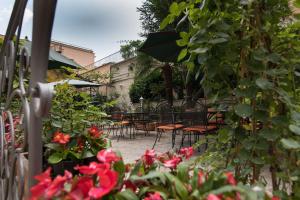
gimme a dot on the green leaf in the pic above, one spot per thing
(126, 195)
(165, 22)
(56, 124)
(268, 134)
(217, 40)
(295, 129)
(150, 175)
(54, 146)
(182, 54)
(243, 110)
(119, 167)
(55, 158)
(290, 143)
(174, 9)
(295, 116)
(264, 83)
(200, 50)
(258, 161)
(224, 135)
(182, 172)
(136, 168)
(88, 154)
(179, 187)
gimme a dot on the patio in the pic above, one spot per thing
(204, 106)
(133, 149)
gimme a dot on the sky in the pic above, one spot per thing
(99, 25)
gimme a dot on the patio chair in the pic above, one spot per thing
(199, 125)
(167, 123)
(126, 123)
(140, 119)
(115, 118)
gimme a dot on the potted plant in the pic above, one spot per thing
(64, 151)
(71, 134)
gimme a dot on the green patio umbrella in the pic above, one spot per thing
(162, 46)
(56, 60)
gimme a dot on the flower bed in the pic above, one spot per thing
(153, 177)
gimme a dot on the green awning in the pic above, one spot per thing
(56, 60)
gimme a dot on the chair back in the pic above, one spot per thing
(166, 113)
(196, 115)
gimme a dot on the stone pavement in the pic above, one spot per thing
(133, 149)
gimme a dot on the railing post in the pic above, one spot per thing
(43, 16)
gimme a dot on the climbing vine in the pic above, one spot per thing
(248, 51)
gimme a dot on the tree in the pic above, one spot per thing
(130, 49)
(152, 14)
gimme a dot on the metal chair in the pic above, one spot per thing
(167, 123)
(199, 125)
(126, 123)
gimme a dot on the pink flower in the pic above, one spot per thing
(212, 197)
(58, 184)
(93, 168)
(154, 196)
(149, 156)
(81, 189)
(107, 156)
(61, 138)
(39, 189)
(187, 152)
(107, 181)
(172, 163)
(230, 178)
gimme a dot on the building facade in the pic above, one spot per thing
(122, 77)
(116, 77)
(80, 55)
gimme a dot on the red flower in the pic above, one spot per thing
(129, 185)
(154, 196)
(187, 152)
(149, 156)
(107, 181)
(230, 178)
(81, 189)
(39, 189)
(275, 198)
(212, 197)
(127, 168)
(95, 132)
(61, 138)
(58, 184)
(172, 163)
(107, 156)
(93, 168)
(201, 178)
(80, 145)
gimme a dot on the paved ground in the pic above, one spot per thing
(132, 149)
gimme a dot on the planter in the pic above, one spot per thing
(59, 168)
(86, 161)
